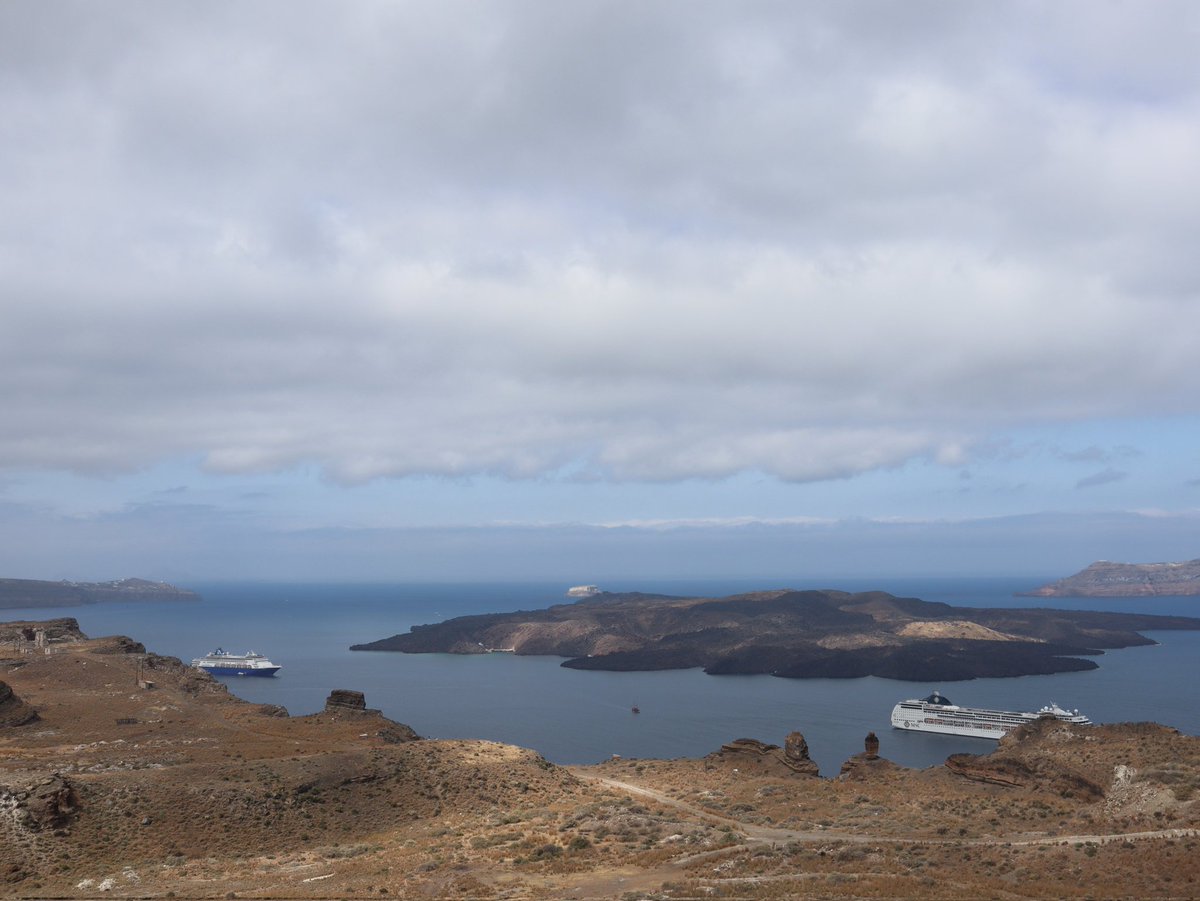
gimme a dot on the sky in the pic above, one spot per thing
(408, 291)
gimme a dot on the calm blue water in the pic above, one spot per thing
(582, 717)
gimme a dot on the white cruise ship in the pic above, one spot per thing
(936, 713)
(223, 663)
(584, 591)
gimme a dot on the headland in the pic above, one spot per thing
(1104, 579)
(38, 593)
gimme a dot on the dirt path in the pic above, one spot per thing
(756, 834)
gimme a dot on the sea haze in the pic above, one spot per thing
(572, 716)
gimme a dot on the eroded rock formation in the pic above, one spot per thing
(1020, 762)
(14, 711)
(766, 759)
(871, 746)
(345, 702)
(868, 762)
(341, 700)
(50, 804)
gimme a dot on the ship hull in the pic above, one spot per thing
(971, 722)
(913, 722)
(241, 670)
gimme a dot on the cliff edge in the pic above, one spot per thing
(1104, 579)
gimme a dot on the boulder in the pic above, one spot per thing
(14, 711)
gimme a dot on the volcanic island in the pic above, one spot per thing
(794, 634)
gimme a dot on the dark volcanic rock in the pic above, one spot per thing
(14, 711)
(343, 699)
(794, 634)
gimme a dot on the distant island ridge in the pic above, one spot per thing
(1104, 579)
(38, 593)
(793, 634)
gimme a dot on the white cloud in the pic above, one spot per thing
(654, 242)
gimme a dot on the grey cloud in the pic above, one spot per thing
(656, 242)
(177, 542)
(1094, 454)
(1104, 477)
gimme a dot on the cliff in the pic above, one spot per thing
(37, 593)
(1104, 579)
(793, 634)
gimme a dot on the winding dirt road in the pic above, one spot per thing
(756, 834)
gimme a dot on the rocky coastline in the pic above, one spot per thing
(31, 593)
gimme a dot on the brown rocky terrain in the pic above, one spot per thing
(142, 777)
(1104, 579)
(794, 634)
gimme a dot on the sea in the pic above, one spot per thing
(577, 717)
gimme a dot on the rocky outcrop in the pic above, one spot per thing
(118, 644)
(14, 711)
(1019, 761)
(871, 746)
(49, 805)
(868, 763)
(27, 634)
(344, 702)
(761, 758)
(1105, 579)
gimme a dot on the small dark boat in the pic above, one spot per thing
(637, 710)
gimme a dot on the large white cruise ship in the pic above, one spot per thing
(936, 713)
(223, 663)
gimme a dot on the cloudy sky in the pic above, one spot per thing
(430, 290)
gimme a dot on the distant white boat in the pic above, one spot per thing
(583, 591)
